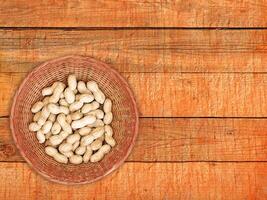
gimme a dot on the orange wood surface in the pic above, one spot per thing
(182, 139)
(140, 50)
(198, 72)
(133, 13)
(145, 181)
(181, 94)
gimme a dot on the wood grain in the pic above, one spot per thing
(140, 50)
(173, 73)
(141, 13)
(145, 181)
(182, 140)
(180, 94)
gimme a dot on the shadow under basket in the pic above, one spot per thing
(125, 118)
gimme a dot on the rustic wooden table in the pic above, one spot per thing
(198, 70)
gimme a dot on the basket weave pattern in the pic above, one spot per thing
(125, 121)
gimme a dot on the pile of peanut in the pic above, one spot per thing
(74, 122)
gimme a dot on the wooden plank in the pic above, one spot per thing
(140, 50)
(152, 13)
(181, 94)
(145, 181)
(8, 150)
(182, 140)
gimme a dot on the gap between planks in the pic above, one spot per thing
(197, 161)
(131, 28)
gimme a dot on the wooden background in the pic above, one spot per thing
(198, 69)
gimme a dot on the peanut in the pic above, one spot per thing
(102, 138)
(46, 100)
(60, 158)
(52, 117)
(63, 102)
(75, 106)
(107, 106)
(92, 86)
(73, 138)
(97, 123)
(36, 116)
(44, 115)
(82, 88)
(96, 157)
(88, 139)
(69, 95)
(76, 159)
(56, 140)
(65, 147)
(108, 118)
(37, 106)
(84, 131)
(85, 98)
(76, 115)
(47, 127)
(80, 150)
(110, 140)
(108, 130)
(97, 144)
(48, 135)
(87, 155)
(40, 136)
(49, 90)
(64, 134)
(105, 148)
(41, 121)
(68, 154)
(51, 151)
(65, 110)
(72, 82)
(98, 132)
(57, 92)
(89, 119)
(68, 119)
(90, 107)
(99, 96)
(55, 109)
(61, 119)
(98, 113)
(75, 145)
(56, 128)
(34, 126)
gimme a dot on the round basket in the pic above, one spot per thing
(125, 121)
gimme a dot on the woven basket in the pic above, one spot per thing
(125, 122)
